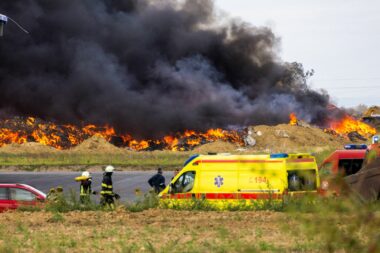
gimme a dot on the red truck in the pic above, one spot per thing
(339, 164)
(13, 196)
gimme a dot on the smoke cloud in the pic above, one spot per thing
(147, 67)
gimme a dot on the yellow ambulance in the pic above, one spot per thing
(226, 177)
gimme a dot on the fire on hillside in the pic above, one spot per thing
(347, 126)
(29, 129)
(21, 130)
(293, 119)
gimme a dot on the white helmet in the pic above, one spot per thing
(86, 174)
(109, 168)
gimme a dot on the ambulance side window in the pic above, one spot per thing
(184, 183)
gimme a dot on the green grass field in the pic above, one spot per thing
(134, 160)
(127, 160)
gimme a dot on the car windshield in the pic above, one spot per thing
(349, 166)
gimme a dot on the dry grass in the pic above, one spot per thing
(152, 230)
(127, 160)
(304, 225)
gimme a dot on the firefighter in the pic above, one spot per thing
(85, 187)
(107, 194)
(157, 181)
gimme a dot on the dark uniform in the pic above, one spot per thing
(85, 190)
(157, 181)
(107, 195)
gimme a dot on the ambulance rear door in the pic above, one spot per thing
(261, 178)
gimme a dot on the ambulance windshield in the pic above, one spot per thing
(184, 183)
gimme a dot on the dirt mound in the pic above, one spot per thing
(373, 110)
(372, 117)
(28, 147)
(217, 146)
(96, 144)
(287, 138)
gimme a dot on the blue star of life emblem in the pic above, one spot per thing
(218, 181)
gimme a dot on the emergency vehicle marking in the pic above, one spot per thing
(238, 161)
(218, 181)
(222, 196)
(261, 180)
(260, 190)
(300, 160)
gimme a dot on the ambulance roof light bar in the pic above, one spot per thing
(355, 146)
(190, 159)
(279, 155)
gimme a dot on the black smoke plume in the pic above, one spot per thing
(147, 67)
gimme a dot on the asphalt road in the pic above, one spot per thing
(124, 183)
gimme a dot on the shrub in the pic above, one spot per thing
(337, 224)
(143, 202)
(62, 204)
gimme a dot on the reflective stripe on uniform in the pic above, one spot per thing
(107, 185)
(83, 192)
(106, 192)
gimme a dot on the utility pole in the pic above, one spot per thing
(4, 20)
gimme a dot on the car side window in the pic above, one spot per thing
(3, 193)
(21, 195)
(184, 183)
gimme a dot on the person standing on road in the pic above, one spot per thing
(157, 181)
(85, 187)
(107, 194)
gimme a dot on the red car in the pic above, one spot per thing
(13, 196)
(341, 163)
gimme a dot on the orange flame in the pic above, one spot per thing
(19, 130)
(293, 119)
(138, 145)
(349, 124)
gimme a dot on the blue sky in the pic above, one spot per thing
(339, 39)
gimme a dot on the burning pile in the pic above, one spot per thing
(347, 126)
(351, 127)
(22, 130)
(293, 119)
